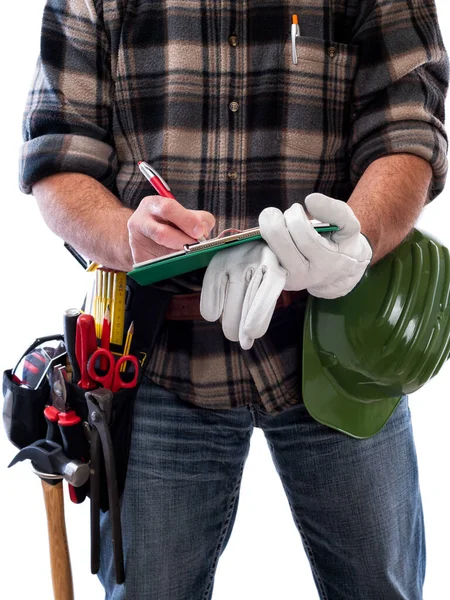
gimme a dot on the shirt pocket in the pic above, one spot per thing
(314, 96)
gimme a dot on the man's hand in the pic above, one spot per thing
(242, 285)
(327, 265)
(162, 225)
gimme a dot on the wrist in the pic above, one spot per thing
(88, 216)
(389, 198)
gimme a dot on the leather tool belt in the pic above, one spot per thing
(186, 307)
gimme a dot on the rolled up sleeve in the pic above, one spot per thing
(400, 87)
(67, 119)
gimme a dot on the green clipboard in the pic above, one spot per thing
(197, 256)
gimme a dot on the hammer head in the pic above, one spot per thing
(48, 458)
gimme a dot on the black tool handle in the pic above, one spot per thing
(95, 501)
(74, 439)
(70, 327)
(51, 415)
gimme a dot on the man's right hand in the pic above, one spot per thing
(161, 225)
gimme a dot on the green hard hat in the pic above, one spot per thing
(387, 338)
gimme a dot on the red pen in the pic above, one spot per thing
(158, 183)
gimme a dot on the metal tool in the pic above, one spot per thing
(70, 327)
(65, 427)
(99, 404)
(51, 463)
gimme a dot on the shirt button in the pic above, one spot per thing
(233, 41)
(234, 106)
(331, 51)
(232, 175)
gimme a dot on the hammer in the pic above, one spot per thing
(52, 466)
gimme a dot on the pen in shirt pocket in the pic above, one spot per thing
(295, 33)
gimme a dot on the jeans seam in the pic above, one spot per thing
(255, 415)
(311, 557)
(223, 534)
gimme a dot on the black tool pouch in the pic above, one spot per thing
(24, 422)
(23, 411)
(120, 427)
(23, 416)
(23, 408)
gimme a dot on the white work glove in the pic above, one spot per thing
(328, 265)
(242, 285)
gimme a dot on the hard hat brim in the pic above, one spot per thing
(328, 403)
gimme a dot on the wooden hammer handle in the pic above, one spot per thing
(57, 538)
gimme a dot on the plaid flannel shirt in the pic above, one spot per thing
(207, 92)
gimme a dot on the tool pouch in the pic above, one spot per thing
(109, 433)
(120, 427)
(23, 411)
(23, 405)
(23, 408)
(24, 422)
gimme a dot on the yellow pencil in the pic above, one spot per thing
(127, 346)
(93, 266)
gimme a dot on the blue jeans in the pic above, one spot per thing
(356, 503)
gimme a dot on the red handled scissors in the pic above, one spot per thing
(112, 379)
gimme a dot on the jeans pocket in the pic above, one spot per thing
(314, 96)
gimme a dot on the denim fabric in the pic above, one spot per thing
(356, 503)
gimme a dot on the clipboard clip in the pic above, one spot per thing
(227, 236)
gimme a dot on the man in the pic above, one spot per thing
(210, 94)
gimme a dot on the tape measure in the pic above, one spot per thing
(118, 307)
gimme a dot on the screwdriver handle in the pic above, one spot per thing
(70, 329)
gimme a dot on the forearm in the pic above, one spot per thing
(88, 216)
(389, 198)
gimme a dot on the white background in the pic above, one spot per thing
(264, 558)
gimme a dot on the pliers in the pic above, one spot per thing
(99, 403)
(65, 427)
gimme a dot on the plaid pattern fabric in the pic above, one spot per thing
(206, 91)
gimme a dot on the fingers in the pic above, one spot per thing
(206, 218)
(168, 223)
(259, 304)
(221, 297)
(333, 211)
(242, 285)
(214, 287)
(232, 308)
(308, 242)
(161, 225)
(275, 232)
(166, 210)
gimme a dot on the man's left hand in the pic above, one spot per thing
(328, 265)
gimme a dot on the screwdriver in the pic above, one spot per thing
(70, 327)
